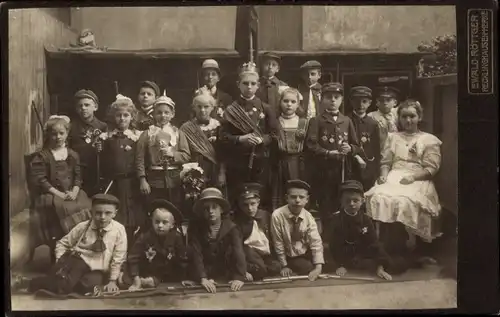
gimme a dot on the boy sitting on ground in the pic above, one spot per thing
(354, 243)
(100, 248)
(158, 255)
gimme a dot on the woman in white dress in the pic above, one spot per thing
(405, 192)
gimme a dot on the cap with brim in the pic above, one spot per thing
(310, 65)
(105, 199)
(352, 185)
(163, 203)
(387, 92)
(297, 183)
(270, 55)
(211, 194)
(250, 190)
(332, 87)
(361, 91)
(86, 93)
(210, 64)
(152, 85)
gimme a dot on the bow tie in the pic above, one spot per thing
(204, 122)
(269, 82)
(315, 87)
(98, 245)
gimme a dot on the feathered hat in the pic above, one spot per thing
(165, 100)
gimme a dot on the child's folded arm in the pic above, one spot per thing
(119, 255)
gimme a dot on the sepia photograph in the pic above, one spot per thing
(226, 157)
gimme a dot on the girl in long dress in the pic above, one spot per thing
(118, 162)
(289, 154)
(405, 192)
(55, 176)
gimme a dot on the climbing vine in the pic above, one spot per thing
(442, 58)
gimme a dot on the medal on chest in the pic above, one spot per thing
(150, 254)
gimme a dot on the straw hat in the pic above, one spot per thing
(214, 194)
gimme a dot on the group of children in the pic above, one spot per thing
(239, 245)
(272, 140)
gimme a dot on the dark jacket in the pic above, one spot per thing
(367, 131)
(354, 237)
(304, 104)
(162, 257)
(238, 153)
(224, 256)
(268, 92)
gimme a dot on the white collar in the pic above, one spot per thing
(132, 135)
(212, 124)
(248, 99)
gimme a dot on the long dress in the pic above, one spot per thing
(52, 216)
(415, 205)
(118, 162)
(289, 156)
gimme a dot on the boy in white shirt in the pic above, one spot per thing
(297, 242)
(101, 246)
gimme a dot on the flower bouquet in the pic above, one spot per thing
(192, 180)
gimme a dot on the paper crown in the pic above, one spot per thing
(121, 97)
(165, 100)
(248, 68)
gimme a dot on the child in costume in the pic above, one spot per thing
(289, 152)
(353, 242)
(161, 151)
(82, 138)
(159, 255)
(269, 86)
(366, 165)
(247, 132)
(118, 154)
(332, 140)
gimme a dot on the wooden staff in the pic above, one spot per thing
(182, 288)
(38, 117)
(321, 276)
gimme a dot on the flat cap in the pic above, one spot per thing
(297, 183)
(352, 185)
(86, 93)
(310, 65)
(250, 190)
(210, 64)
(332, 87)
(270, 55)
(361, 91)
(387, 91)
(152, 85)
(105, 199)
(163, 203)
